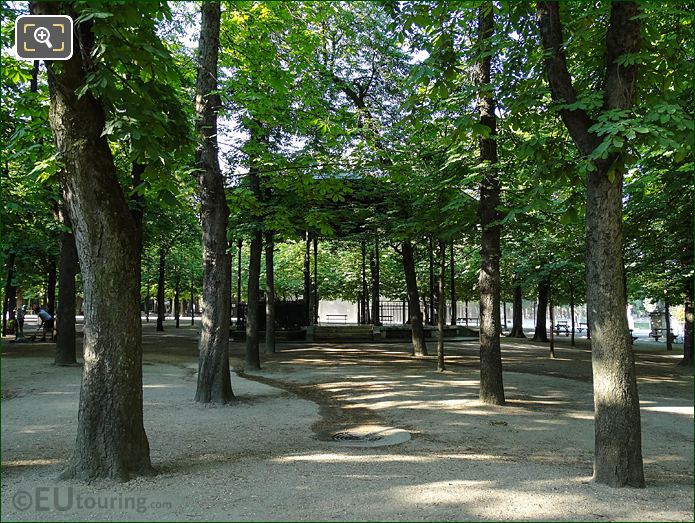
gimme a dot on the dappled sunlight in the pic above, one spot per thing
(681, 411)
(334, 457)
(31, 462)
(589, 416)
(56, 393)
(489, 499)
(37, 429)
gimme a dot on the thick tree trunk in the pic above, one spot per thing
(541, 332)
(491, 384)
(253, 357)
(214, 383)
(269, 293)
(374, 269)
(441, 305)
(161, 311)
(517, 314)
(111, 440)
(418, 333)
(688, 326)
(65, 317)
(617, 453)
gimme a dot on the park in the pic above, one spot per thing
(347, 261)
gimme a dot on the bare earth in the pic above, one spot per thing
(269, 457)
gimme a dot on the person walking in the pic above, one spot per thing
(19, 315)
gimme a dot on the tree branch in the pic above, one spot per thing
(577, 121)
(623, 38)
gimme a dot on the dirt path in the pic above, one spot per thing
(268, 457)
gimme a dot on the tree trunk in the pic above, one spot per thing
(432, 309)
(374, 269)
(177, 305)
(161, 312)
(193, 306)
(688, 326)
(617, 453)
(111, 440)
(491, 384)
(7, 306)
(307, 295)
(452, 285)
(137, 205)
(541, 332)
(51, 281)
(65, 317)
(552, 321)
(418, 333)
(315, 308)
(572, 311)
(269, 293)
(365, 307)
(441, 305)
(214, 383)
(239, 245)
(667, 318)
(517, 314)
(147, 302)
(253, 357)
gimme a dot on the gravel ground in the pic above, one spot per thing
(269, 457)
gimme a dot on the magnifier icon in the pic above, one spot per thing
(43, 35)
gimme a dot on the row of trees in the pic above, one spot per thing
(532, 138)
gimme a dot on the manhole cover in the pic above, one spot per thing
(351, 436)
(370, 436)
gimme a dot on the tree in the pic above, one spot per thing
(618, 451)
(491, 385)
(441, 284)
(65, 318)
(541, 331)
(214, 382)
(111, 440)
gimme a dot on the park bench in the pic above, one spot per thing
(656, 334)
(462, 321)
(343, 332)
(386, 318)
(633, 338)
(336, 318)
(561, 325)
(582, 326)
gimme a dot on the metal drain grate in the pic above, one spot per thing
(351, 436)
